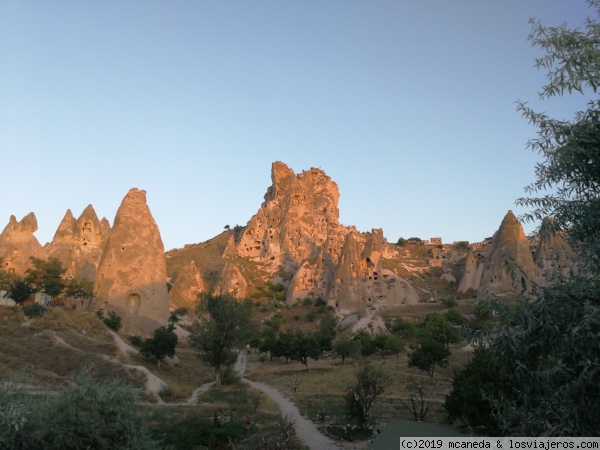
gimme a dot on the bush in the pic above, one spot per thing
(87, 414)
(113, 321)
(229, 375)
(34, 310)
(449, 302)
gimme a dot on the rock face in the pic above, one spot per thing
(185, 289)
(298, 234)
(471, 278)
(232, 281)
(299, 215)
(132, 271)
(510, 243)
(554, 256)
(78, 243)
(18, 244)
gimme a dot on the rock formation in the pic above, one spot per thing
(232, 281)
(554, 256)
(471, 278)
(18, 244)
(299, 214)
(132, 271)
(360, 280)
(78, 243)
(298, 234)
(509, 245)
(185, 289)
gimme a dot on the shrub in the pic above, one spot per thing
(34, 310)
(113, 321)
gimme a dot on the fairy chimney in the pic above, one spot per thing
(132, 270)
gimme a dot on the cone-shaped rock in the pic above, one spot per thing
(78, 243)
(232, 281)
(186, 287)
(554, 256)
(132, 272)
(360, 281)
(471, 278)
(509, 244)
(18, 244)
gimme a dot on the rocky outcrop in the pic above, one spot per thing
(299, 215)
(509, 265)
(554, 257)
(18, 244)
(361, 282)
(232, 281)
(471, 278)
(298, 235)
(132, 271)
(185, 289)
(78, 243)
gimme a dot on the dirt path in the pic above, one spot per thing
(306, 430)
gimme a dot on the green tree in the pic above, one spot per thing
(380, 342)
(429, 354)
(569, 149)
(548, 349)
(20, 290)
(344, 347)
(87, 415)
(47, 276)
(473, 387)
(440, 330)
(326, 332)
(82, 289)
(225, 326)
(161, 345)
(365, 340)
(303, 346)
(370, 383)
(394, 344)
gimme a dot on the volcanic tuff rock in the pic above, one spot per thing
(297, 232)
(509, 244)
(185, 289)
(232, 281)
(471, 278)
(132, 270)
(554, 256)
(78, 243)
(18, 244)
(299, 215)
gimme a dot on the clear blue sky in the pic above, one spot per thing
(408, 105)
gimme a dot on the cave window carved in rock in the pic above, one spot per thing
(133, 301)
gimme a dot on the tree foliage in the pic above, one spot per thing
(87, 415)
(370, 383)
(20, 290)
(223, 329)
(546, 352)
(161, 345)
(569, 148)
(429, 354)
(47, 276)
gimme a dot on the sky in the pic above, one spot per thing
(408, 105)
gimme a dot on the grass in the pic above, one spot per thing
(324, 386)
(51, 349)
